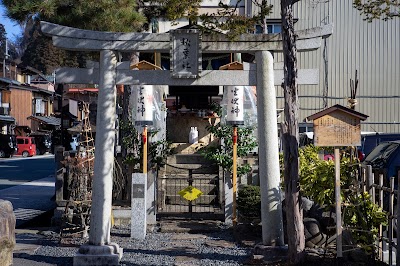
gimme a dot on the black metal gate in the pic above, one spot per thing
(190, 192)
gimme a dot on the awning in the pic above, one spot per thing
(7, 118)
(49, 120)
(10, 81)
(78, 128)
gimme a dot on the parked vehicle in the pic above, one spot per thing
(370, 141)
(8, 145)
(26, 146)
(43, 143)
(385, 158)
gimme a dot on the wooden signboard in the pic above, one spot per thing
(337, 126)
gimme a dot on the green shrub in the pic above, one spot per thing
(317, 182)
(249, 202)
(158, 151)
(222, 154)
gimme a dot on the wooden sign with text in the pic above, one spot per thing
(337, 126)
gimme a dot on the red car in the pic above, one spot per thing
(26, 146)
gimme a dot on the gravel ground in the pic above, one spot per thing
(216, 247)
(211, 248)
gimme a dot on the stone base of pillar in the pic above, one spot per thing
(98, 255)
(270, 254)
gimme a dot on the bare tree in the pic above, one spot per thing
(294, 214)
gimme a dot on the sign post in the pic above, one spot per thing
(338, 200)
(337, 126)
(144, 116)
(235, 117)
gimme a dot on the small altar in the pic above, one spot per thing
(179, 125)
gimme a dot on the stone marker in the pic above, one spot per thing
(139, 206)
(7, 233)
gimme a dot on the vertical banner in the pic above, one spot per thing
(144, 105)
(185, 53)
(235, 107)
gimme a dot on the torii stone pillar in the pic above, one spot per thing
(268, 155)
(100, 248)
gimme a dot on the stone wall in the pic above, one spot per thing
(7, 233)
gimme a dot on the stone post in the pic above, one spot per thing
(271, 203)
(7, 232)
(139, 206)
(100, 251)
(59, 157)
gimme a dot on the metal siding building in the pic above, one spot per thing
(373, 49)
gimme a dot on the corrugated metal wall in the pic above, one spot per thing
(371, 48)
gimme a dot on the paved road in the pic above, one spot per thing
(17, 170)
(28, 183)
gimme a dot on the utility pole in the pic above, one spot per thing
(5, 58)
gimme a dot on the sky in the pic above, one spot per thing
(11, 27)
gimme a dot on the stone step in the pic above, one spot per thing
(183, 169)
(189, 226)
(184, 179)
(188, 159)
(195, 168)
(187, 148)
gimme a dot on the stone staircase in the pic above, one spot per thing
(185, 169)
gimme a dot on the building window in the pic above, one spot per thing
(306, 127)
(271, 27)
(39, 106)
(5, 98)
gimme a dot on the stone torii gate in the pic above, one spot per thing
(111, 73)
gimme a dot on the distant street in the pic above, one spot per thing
(28, 183)
(17, 170)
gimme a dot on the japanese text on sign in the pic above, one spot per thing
(235, 108)
(235, 102)
(337, 129)
(144, 106)
(185, 54)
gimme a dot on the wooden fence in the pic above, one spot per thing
(385, 194)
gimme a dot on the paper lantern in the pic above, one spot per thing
(235, 107)
(144, 105)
